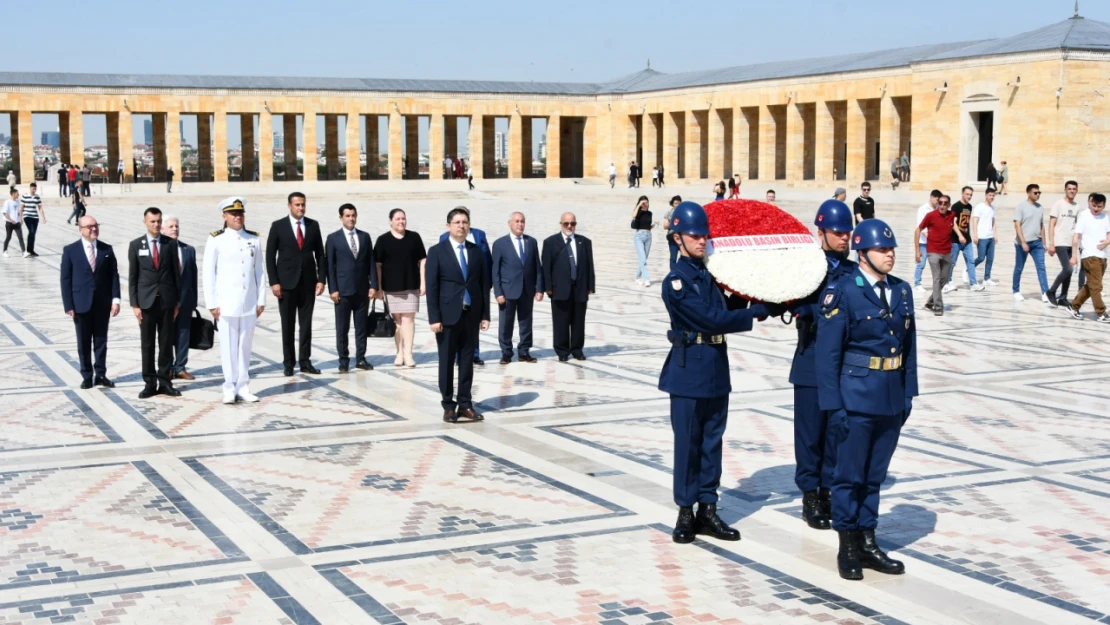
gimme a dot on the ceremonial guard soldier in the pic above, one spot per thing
(235, 294)
(696, 374)
(813, 451)
(867, 379)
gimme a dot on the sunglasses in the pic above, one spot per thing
(570, 223)
(944, 203)
(236, 213)
(1036, 193)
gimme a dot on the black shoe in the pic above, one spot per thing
(1052, 299)
(579, 356)
(848, 558)
(33, 254)
(148, 392)
(525, 358)
(479, 362)
(86, 384)
(169, 390)
(684, 528)
(287, 372)
(506, 359)
(825, 495)
(564, 358)
(812, 511)
(343, 368)
(362, 364)
(1063, 301)
(707, 522)
(103, 381)
(928, 306)
(874, 558)
(306, 367)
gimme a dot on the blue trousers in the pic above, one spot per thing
(920, 266)
(642, 241)
(814, 449)
(1036, 250)
(699, 427)
(864, 446)
(672, 247)
(968, 250)
(181, 345)
(985, 253)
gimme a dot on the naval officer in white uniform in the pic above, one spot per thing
(234, 293)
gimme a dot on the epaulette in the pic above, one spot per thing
(250, 232)
(217, 233)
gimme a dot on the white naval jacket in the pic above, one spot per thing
(234, 273)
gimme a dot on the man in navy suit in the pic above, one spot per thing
(90, 295)
(477, 237)
(352, 283)
(457, 285)
(187, 281)
(568, 277)
(517, 282)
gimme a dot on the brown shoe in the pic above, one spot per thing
(449, 416)
(526, 358)
(184, 375)
(468, 413)
(505, 360)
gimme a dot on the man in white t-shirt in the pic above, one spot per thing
(931, 205)
(1061, 227)
(1092, 236)
(612, 175)
(984, 233)
(448, 167)
(13, 222)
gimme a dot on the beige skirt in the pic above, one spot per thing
(403, 301)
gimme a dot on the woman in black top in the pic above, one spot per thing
(400, 257)
(642, 224)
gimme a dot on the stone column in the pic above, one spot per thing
(265, 146)
(890, 126)
(489, 152)
(158, 129)
(651, 144)
(111, 121)
(396, 142)
(289, 138)
(63, 138)
(412, 146)
(716, 140)
(435, 147)
(451, 137)
(126, 144)
(309, 143)
(516, 150)
(795, 143)
(767, 143)
(75, 131)
(823, 145)
(173, 143)
(554, 168)
(670, 146)
(246, 147)
(857, 144)
(373, 147)
(219, 146)
(694, 132)
(740, 148)
(331, 145)
(353, 136)
(526, 147)
(204, 147)
(23, 149)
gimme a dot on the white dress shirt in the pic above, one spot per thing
(455, 251)
(293, 222)
(88, 245)
(518, 244)
(573, 246)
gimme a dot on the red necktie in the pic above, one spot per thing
(300, 237)
(155, 256)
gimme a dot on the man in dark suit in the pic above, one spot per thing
(90, 296)
(154, 295)
(517, 281)
(458, 304)
(568, 276)
(295, 264)
(477, 237)
(187, 280)
(352, 283)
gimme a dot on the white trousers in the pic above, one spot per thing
(236, 335)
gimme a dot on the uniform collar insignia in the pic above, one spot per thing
(859, 281)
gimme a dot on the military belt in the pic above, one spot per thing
(680, 339)
(873, 362)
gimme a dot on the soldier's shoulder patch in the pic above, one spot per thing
(830, 301)
(250, 232)
(676, 284)
(217, 233)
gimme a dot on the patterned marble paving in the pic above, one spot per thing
(64, 415)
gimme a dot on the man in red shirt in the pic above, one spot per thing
(938, 245)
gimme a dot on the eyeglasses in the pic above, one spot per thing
(944, 203)
(570, 223)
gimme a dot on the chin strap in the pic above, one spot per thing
(865, 258)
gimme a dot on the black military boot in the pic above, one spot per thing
(874, 558)
(708, 523)
(848, 558)
(826, 501)
(684, 528)
(813, 512)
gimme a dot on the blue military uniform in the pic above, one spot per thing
(696, 375)
(813, 451)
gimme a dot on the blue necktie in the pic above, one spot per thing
(462, 265)
(520, 248)
(573, 264)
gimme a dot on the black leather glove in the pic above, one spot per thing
(775, 310)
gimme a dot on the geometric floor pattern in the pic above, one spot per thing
(344, 498)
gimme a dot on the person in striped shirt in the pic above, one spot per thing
(33, 215)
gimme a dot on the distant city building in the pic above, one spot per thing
(499, 146)
(543, 147)
(279, 140)
(52, 138)
(5, 139)
(148, 132)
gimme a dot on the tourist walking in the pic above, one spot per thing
(400, 258)
(661, 181)
(470, 177)
(937, 229)
(169, 180)
(1092, 235)
(63, 180)
(864, 206)
(33, 215)
(1003, 178)
(905, 167)
(922, 211)
(1029, 225)
(1061, 230)
(984, 233)
(13, 222)
(672, 246)
(80, 206)
(992, 177)
(11, 178)
(962, 242)
(86, 180)
(655, 177)
(612, 175)
(71, 174)
(642, 225)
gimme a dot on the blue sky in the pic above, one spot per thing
(571, 40)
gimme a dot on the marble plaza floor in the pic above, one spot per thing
(345, 499)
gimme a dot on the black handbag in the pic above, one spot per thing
(202, 332)
(380, 324)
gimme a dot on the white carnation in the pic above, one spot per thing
(770, 275)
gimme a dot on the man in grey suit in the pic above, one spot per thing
(352, 283)
(517, 282)
(154, 296)
(187, 280)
